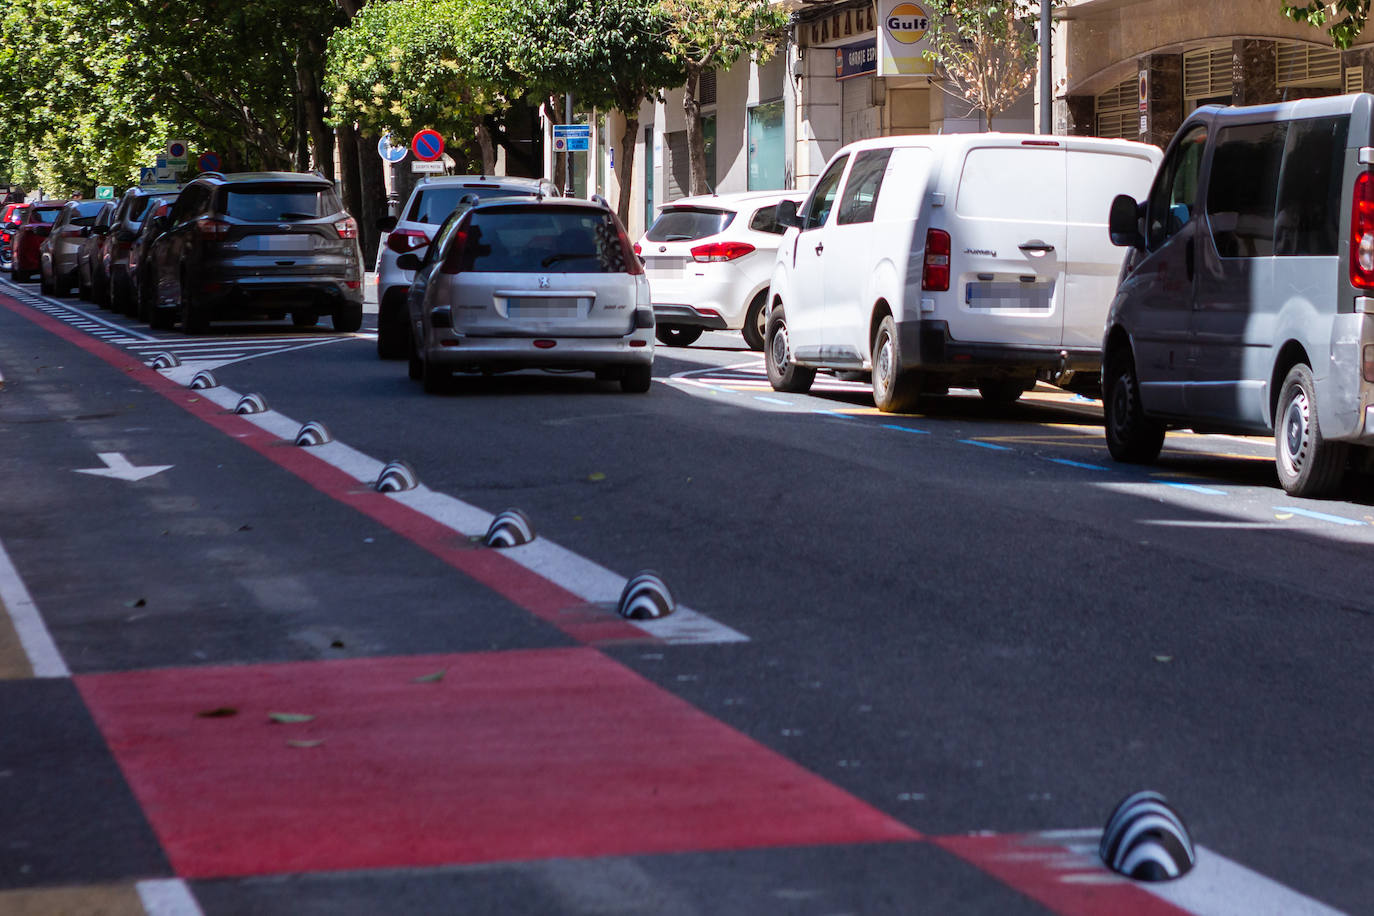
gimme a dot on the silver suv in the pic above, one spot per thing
(538, 284)
(412, 229)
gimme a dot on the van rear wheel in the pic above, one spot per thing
(894, 391)
(1003, 392)
(1308, 464)
(783, 374)
(1132, 437)
(677, 335)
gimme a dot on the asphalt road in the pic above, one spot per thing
(930, 652)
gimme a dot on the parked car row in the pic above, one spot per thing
(223, 246)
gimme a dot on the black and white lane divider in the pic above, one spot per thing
(313, 433)
(1146, 839)
(251, 403)
(204, 379)
(397, 477)
(510, 528)
(646, 597)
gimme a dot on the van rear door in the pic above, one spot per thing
(1007, 240)
(1093, 264)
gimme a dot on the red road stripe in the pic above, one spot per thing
(539, 596)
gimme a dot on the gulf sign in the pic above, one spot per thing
(902, 41)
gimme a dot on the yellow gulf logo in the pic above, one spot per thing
(907, 23)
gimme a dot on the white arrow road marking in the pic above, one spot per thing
(119, 468)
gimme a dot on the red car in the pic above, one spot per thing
(33, 229)
(9, 222)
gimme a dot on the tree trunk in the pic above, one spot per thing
(311, 94)
(696, 143)
(373, 194)
(625, 166)
(348, 161)
(488, 149)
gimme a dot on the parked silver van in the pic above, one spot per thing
(1245, 300)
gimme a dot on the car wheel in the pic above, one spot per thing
(677, 335)
(1131, 436)
(783, 374)
(416, 368)
(1002, 392)
(1308, 464)
(348, 318)
(44, 284)
(304, 319)
(193, 317)
(141, 303)
(894, 390)
(393, 330)
(636, 379)
(19, 276)
(83, 287)
(755, 322)
(435, 381)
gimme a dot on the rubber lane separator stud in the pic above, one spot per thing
(396, 476)
(511, 528)
(646, 597)
(1146, 839)
(313, 433)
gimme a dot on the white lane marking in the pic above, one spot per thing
(167, 897)
(117, 467)
(33, 634)
(96, 319)
(768, 400)
(1320, 516)
(1219, 887)
(588, 580)
(1210, 523)
(203, 343)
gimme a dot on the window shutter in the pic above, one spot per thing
(1207, 72)
(1117, 109)
(1298, 64)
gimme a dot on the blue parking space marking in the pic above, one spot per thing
(1079, 464)
(1192, 488)
(999, 448)
(1321, 516)
(906, 429)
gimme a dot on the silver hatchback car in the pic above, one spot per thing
(530, 284)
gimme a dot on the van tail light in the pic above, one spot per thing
(347, 228)
(211, 228)
(638, 250)
(453, 263)
(935, 274)
(1362, 232)
(721, 251)
(404, 240)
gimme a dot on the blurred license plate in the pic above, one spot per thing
(664, 268)
(530, 307)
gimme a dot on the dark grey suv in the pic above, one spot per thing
(257, 243)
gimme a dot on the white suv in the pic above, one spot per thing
(708, 261)
(411, 230)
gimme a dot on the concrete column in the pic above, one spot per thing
(1253, 72)
(1164, 107)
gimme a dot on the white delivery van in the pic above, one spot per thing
(971, 260)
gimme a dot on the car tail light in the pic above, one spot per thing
(347, 228)
(210, 228)
(404, 240)
(935, 275)
(638, 250)
(721, 251)
(453, 263)
(1362, 232)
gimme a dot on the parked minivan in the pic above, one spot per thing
(977, 260)
(1245, 300)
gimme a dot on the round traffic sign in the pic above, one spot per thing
(428, 145)
(388, 152)
(176, 150)
(208, 162)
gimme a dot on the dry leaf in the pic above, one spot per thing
(314, 742)
(288, 718)
(219, 712)
(431, 678)
(595, 476)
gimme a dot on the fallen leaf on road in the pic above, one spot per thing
(1283, 516)
(305, 743)
(140, 602)
(288, 718)
(431, 678)
(1164, 658)
(595, 476)
(219, 712)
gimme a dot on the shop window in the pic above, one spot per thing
(766, 147)
(1118, 111)
(649, 175)
(678, 176)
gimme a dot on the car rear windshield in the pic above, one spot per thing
(142, 205)
(87, 212)
(543, 240)
(433, 205)
(279, 203)
(45, 214)
(687, 224)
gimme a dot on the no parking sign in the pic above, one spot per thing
(427, 145)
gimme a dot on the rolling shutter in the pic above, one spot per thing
(1207, 72)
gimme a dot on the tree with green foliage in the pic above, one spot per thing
(1346, 18)
(712, 35)
(987, 52)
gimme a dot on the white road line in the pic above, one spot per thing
(1219, 887)
(1320, 516)
(33, 634)
(588, 580)
(167, 897)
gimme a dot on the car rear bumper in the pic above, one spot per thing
(279, 293)
(690, 316)
(927, 345)
(501, 354)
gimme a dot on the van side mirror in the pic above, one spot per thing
(386, 223)
(787, 214)
(1123, 223)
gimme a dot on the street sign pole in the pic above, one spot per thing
(568, 160)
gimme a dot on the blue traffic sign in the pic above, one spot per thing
(208, 162)
(572, 132)
(147, 175)
(428, 145)
(388, 152)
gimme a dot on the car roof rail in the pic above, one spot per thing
(553, 188)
